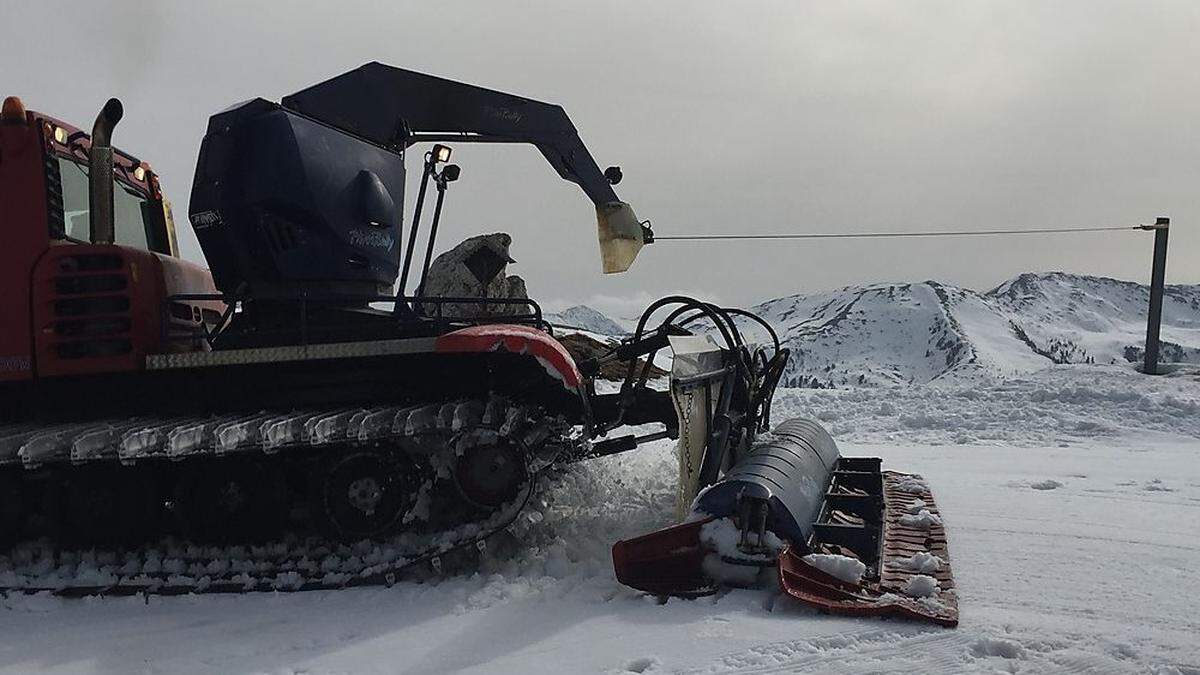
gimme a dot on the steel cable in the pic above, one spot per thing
(872, 235)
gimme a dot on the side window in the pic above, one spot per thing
(132, 226)
(74, 181)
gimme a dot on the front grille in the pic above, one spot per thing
(92, 327)
(98, 283)
(112, 304)
(91, 316)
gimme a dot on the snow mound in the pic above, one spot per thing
(912, 485)
(923, 519)
(989, 646)
(646, 664)
(722, 535)
(841, 567)
(924, 562)
(921, 586)
(1157, 485)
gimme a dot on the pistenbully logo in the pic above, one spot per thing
(372, 238)
(205, 220)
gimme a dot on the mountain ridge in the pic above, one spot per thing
(911, 332)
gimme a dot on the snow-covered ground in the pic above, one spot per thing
(1071, 498)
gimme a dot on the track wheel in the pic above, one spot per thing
(490, 474)
(12, 509)
(365, 494)
(108, 505)
(231, 501)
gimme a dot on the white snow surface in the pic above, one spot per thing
(1046, 578)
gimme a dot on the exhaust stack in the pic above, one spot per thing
(100, 173)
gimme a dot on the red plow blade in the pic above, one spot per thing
(666, 562)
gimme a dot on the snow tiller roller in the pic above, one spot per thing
(838, 533)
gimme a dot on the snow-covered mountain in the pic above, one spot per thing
(888, 333)
(586, 318)
(918, 332)
(1104, 319)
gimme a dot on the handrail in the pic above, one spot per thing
(304, 300)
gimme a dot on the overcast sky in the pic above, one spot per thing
(725, 116)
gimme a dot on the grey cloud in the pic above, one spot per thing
(726, 117)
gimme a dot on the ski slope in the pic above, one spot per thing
(1072, 506)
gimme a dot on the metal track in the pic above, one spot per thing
(135, 439)
(172, 567)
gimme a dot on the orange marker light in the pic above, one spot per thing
(13, 111)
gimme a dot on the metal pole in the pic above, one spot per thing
(412, 235)
(433, 234)
(1158, 276)
(433, 228)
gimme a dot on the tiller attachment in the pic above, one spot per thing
(757, 505)
(838, 533)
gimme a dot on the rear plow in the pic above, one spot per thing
(762, 506)
(836, 533)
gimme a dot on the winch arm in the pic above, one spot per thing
(396, 108)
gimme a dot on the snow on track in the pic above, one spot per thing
(1095, 575)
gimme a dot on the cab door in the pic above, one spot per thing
(23, 239)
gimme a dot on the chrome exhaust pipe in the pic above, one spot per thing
(100, 173)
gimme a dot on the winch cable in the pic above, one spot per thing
(877, 235)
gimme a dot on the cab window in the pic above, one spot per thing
(132, 224)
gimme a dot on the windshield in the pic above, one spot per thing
(132, 227)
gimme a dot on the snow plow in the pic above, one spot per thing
(783, 506)
(289, 422)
